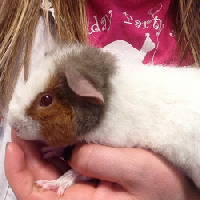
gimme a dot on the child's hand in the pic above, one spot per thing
(125, 174)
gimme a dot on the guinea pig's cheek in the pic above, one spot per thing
(60, 130)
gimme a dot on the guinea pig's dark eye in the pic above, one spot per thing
(46, 100)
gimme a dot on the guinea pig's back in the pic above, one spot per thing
(157, 108)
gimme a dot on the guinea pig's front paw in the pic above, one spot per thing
(49, 152)
(65, 181)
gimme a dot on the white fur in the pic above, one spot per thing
(158, 108)
(151, 107)
(22, 97)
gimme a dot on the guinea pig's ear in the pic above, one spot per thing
(82, 87)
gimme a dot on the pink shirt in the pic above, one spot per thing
(135, 21)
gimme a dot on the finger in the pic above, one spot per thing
(106, 163)
(133, 168)
(17, 173)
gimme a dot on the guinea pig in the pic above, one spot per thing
(84, 94)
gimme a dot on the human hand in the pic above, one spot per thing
(24, 166)
(128, 174)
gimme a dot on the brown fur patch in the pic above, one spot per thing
(57, 121)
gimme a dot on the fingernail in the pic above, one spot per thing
(67, 153)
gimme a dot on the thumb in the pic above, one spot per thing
(17, 172)
(134, 169)
(106, 163)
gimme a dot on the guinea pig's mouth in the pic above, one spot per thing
(27, 130)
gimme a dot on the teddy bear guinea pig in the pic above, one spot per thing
(64, 98)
